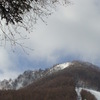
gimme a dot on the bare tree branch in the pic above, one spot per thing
(19, 15)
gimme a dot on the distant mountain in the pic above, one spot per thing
(60, 82)
(30, 76)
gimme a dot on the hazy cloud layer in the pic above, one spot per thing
(71, 30)
(74, 29)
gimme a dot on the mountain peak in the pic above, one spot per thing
(30, 76)
(63, 65)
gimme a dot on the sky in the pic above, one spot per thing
(71, 33)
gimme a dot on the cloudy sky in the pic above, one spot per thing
(71, 33)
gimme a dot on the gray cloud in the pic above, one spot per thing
(6, 65)
(74, 29)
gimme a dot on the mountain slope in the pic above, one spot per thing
(58, 85)
(82, 92)
(85, 74)
(95, 93)
(30, 76)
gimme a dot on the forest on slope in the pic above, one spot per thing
(58, 86)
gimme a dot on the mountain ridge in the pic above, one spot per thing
(59, 84)
(30, 76)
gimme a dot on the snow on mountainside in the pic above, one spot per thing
(30, 76)
(59, 67)
(94, 92)
(78, 91)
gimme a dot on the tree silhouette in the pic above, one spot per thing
(16, 14)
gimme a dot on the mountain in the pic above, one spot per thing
(57, 83)
(30, 76)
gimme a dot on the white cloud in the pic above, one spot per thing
(6, 65)
(74, 29)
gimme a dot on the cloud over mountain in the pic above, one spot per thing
(71, 31)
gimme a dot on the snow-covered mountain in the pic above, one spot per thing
(56, 83)
(59, 67)
(30, 76)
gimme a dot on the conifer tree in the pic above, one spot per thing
(15, 14)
